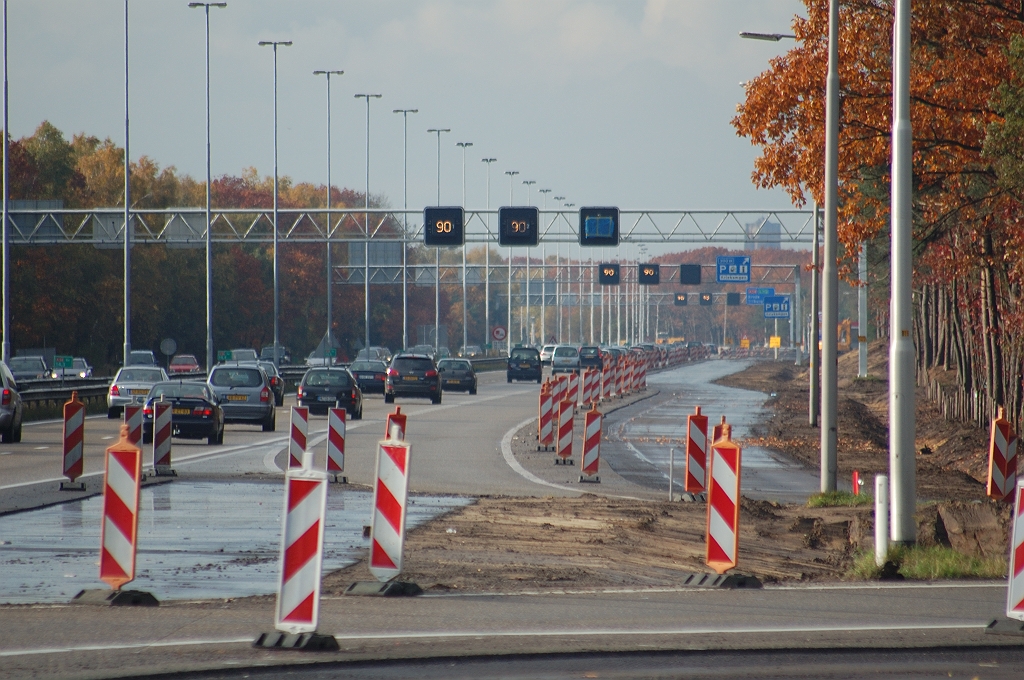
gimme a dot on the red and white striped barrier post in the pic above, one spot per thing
(390, 496)
(74, 443)
(121, 480)
(394, 427)
(297, 435)
(302, 540)
(336, 444)
(162, 438)
(562, 389)
(1015, 592)
(716, 431)
(618, 377)
(1002, 459)
(637, 368)
(574, 388)
(696, 452)
(566, 411)
(643, 375)
(588, 387)
(607, 375)
(723, 527)
(591, 446)
(544, 437)
(133, 419)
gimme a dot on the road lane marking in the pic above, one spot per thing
(41, 448)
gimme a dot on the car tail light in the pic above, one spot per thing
(264, 394)
(114, 392)
(147, 411)
(353, 396)
(274, 381)
(378, 377)
(299, 393)
(7, 397)
(430, 374)
(200, 411)
(393, 373)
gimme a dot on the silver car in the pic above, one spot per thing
(130, 386)
(244, 394)
(565, 359)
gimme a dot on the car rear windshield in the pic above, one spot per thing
(525, 353)
(588, 352)
(21, 363)
(565, 352)
(406, 364)
(184, 359)
(179, 391)
(327, 379)
(452, 364)
(368, 366)
(236, 377)
(140, 375)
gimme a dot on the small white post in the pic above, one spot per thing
(881, 519)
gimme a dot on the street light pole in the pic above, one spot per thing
(405, 222)
(277, 338)
(558, 279)
(508, 334)
(437, 251)
(544, 281)
(127, 204)
(366, 228)
(830, 272)
(465, 336)
(330, 272)
(487, 257)
(6, 352)
(209, 244)
(529, 333)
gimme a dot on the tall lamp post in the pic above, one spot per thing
(6, 352)
(487, 257)
(437, 251)
(558, 279)
(568, 276)
(405, 222)
(277, 338)
(366, 228)
(508, 335)
(529, 332)
(330, 272)
(544, 281)
(209, 246)
(465, 338)
(127, 201)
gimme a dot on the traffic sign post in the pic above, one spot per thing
(776, 307)
(732, 269)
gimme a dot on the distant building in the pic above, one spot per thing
(765, 235)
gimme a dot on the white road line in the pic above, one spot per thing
(692, 589)
(545, 633)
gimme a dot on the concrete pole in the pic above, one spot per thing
(6, 353)
(487, 258)
(330, 272)
(901, 344)
(127, 201)
(881, 519)
(405, 221)
(366, 227)
(437, 251)
(830, 271)
(465, 336)
(814, 358)
(862, 313)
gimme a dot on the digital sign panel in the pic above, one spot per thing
(705, 299)
(608, 274)
(443, 226)
(732, 299)
(518, 226)
(680, 299)
(648, 274)
(599, 227)
(689, 274)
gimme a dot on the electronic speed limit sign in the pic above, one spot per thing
(443, 226)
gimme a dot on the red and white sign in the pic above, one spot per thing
(696, 452)
(133, 419)
(544, 437)
(119, 529)
(297, 435)
(74, 437)
(566, 411)
(390, 496)
(723, 528)
(302, 540)
(607, 378)
(394, 426)
(161, 435)
(1002, 460)
(1015, 594)
(592, 442)
(499, 333)
(336, 440)
(574, 388)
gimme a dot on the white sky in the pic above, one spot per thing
(609, 103)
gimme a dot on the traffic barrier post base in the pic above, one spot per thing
(162, 471)
(590, 480)
(115, 598)
(389, 589)
(300, 642)
(1005, 626)
(339, 479)
(563, 461)
(735, 581)
(72, 486)
(687, 497)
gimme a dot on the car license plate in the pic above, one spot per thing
(524, 365)
(328, 398)
(364, 376)
(454, 382)
(237, 397)
(410, 378)
(138, 391)
(181, 411)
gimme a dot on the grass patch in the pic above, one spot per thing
(868, 379)
(930, 563)
(838, 499)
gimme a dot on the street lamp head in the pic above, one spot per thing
(275, 43)
(544, 191)
(529, 182)
(368, 96)
(511, 173)
(438, 130)
(559, 198)
(406, 111)
(328, 73)
(464, 144)
(488, 160)
(207, 4)
(771, 37)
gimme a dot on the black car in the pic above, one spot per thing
(322, 388)
(11, 409)
(195, 413)
(276, 381)
(412, 375)
(590, 357)
(524, 364)
(457, 374)
(370, 375)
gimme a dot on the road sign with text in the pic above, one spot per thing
(733, 269)
(776, 307)
(756, 296)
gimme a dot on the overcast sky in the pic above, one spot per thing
(608, 103)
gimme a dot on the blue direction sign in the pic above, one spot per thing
(733, 269)
(756, 296)
(776, 307)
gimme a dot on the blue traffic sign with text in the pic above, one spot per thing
(756, 296)
(733, 269)
(776, 307)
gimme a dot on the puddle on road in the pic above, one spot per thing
(196, 541)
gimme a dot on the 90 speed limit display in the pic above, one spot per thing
(608, 274)
(518, 226)
(443, 226)
(648, 274)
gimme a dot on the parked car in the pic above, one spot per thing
(457, 374)
(80, 368)
(471, 352)
(590, 357)
(283, 355)
(30, 368)
(369, 375)
(183, 363)
(427, 350)
(243, 391)
(565, 359)
(195, 413)
(244, 354)
(545, 354)
(131, 385)
(142, 357)
(412, 375)
(276, 381)
(322, 388)
(524, 364)
(11, 409)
